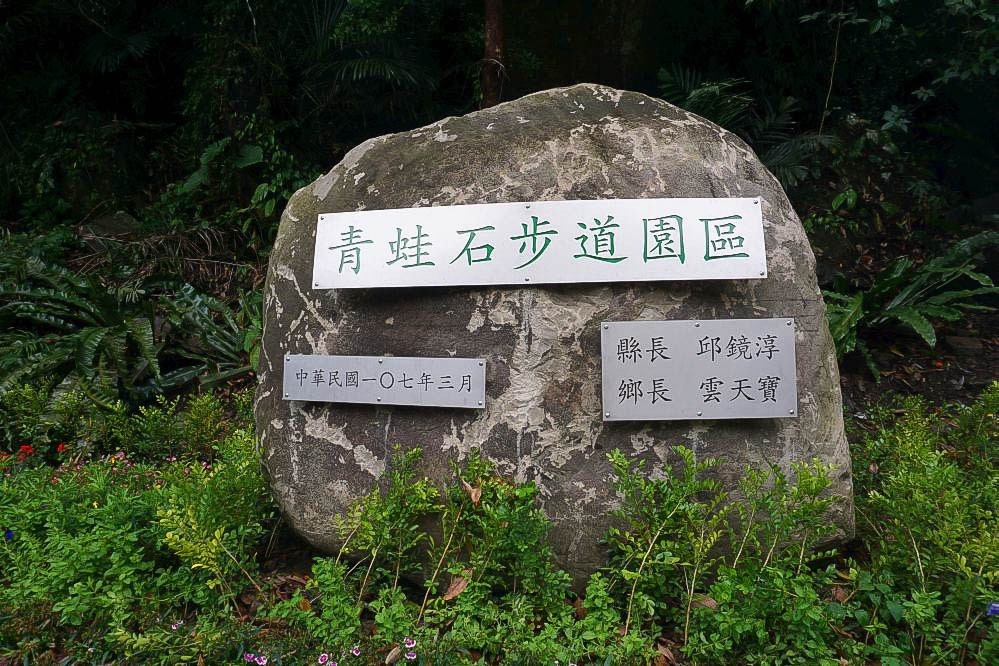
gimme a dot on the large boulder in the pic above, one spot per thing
(542, 420)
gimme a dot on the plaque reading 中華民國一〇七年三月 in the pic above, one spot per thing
(385, 380)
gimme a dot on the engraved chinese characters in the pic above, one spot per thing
(715, 369)
(604, 240)
(386, 380)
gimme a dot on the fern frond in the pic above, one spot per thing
(141, 330)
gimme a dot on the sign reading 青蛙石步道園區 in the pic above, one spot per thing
(708, 369)
(386, 380)
(542, 242)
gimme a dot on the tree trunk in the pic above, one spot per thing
(492, 72)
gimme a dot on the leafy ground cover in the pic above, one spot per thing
(147, 150)
(156, 542)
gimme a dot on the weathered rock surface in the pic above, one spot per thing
(543, 420)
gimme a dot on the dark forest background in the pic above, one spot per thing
(106, 105)
(147, 149)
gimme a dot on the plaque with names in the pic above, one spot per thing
(386, 380)
(705, 369)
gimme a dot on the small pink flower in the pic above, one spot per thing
(248, 657)
(174, 626)
(410, 656)
(261, 660)
(356, 651)
(409, 642)
(323, 658)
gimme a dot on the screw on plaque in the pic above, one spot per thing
(699, 413)
(606, 415)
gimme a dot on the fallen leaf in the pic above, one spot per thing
(666, 654)
(873, 468)
(457, 586)
(304, 604)
(580, 609)
(703, 601)
(474, 494)
(842, 632)
(394, 655)
(840, 594)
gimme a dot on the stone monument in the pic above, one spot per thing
(542, 420)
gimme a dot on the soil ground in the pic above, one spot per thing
(964, 362)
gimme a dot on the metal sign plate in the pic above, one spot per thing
(541, 242)
(386, 380)
(709, 369)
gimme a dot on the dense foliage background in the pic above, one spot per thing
(147, 150)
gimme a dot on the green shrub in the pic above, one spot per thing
(70, 426)
(116, 560)
(105, 556)
(503, 597)
(29, 416)
(489, 587)
(758, 599)
(933, 532)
